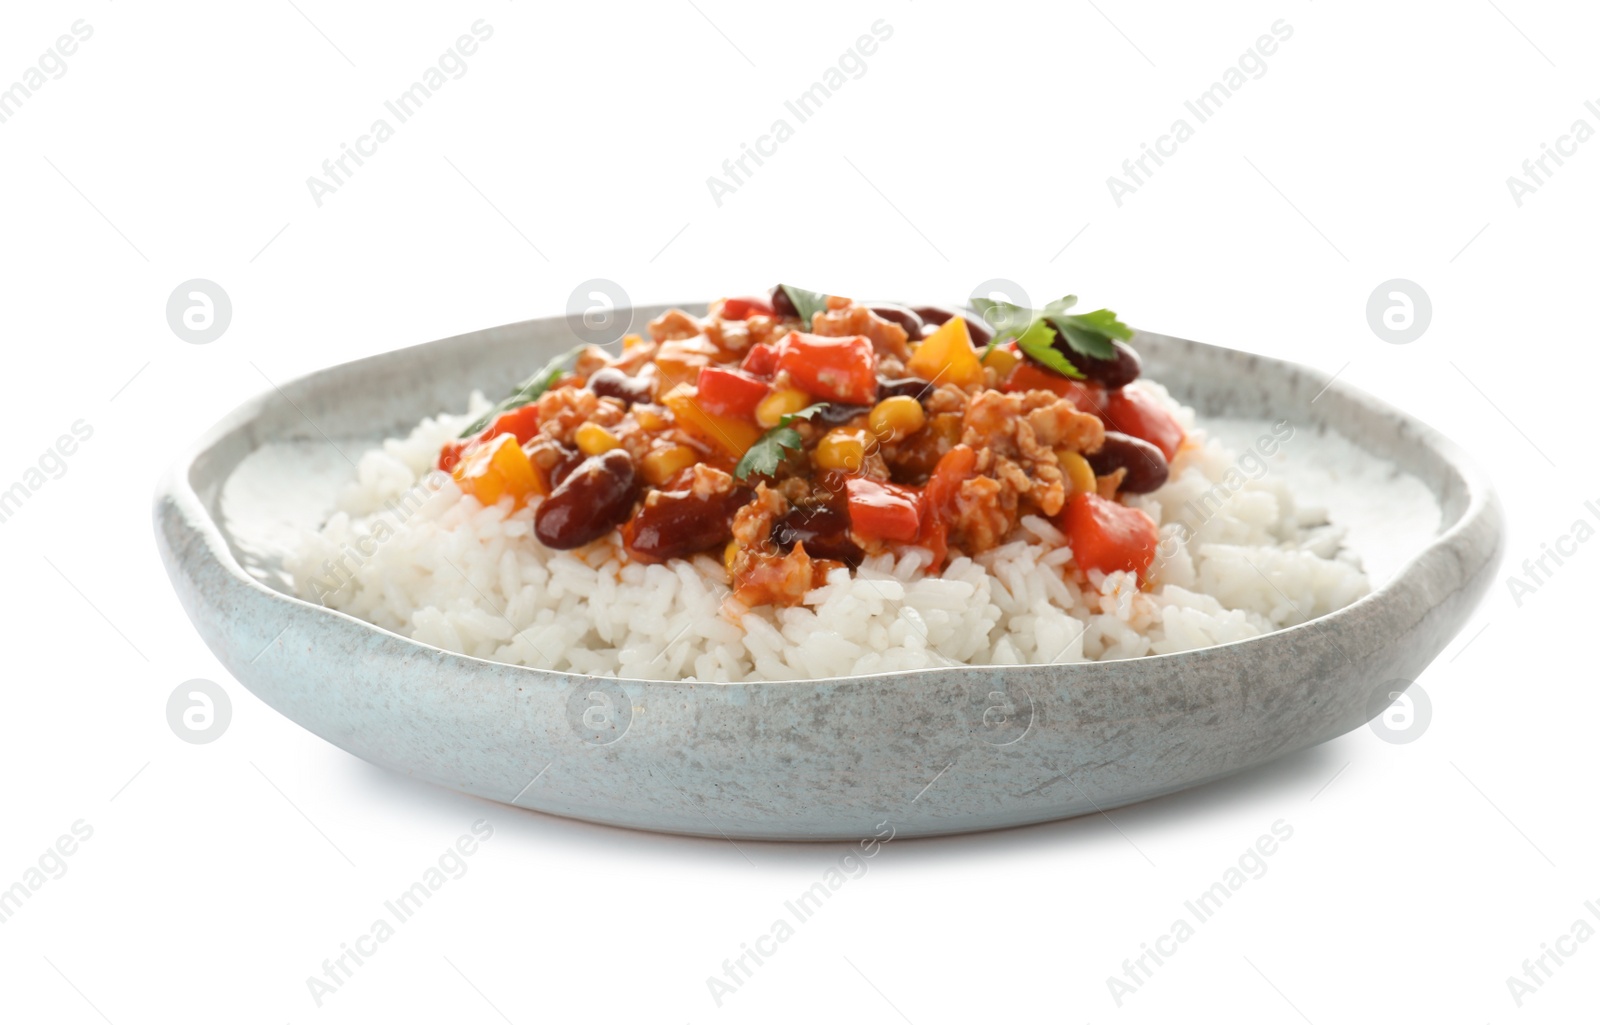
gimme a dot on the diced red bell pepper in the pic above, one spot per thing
(740, 307)
(882, 511)
(953, 467)
(522, 422)
(938, 498)
(835, 369)
(1109, 536)
(730, 393)
(1132, 410)
(761, 360)
(451, 453)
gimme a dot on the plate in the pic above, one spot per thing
(922, 753)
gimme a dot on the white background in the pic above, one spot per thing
(977, 145)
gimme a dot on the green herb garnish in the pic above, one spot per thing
(768, 451)
(1008, 320)
(1035, 331)
(1091, 333)
(806, 304)
(1038, 343)
(528, 391)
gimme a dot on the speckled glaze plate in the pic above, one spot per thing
(829, 759)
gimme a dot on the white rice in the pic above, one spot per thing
(408, 551)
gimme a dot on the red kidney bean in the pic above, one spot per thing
(934, 316)
(610, 382)
(592, 499)
(837, 414)
(677, 524)
(1121, 369)
(782, 305)
(906, 318)
(915, 387)
(1146, 466)
(823, 530)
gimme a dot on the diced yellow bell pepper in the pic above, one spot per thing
(947, 356)
(498, 468)
(733, 437)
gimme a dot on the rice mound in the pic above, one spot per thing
(408, 551)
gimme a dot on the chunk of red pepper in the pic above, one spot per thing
(882, 511)
(761, 360)
(741, 307)
(834, 369)
(729, 393)
(1132, 410)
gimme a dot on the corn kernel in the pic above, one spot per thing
(779, 405)
(841, 449)
(592, 439)
(729, 553)
(896, 418)
(1077, 470)
(659, 464)
(1001, 360)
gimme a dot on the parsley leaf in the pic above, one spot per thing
(1007, 320)
(1035, 331)
(528, 391)
(1091, 333)
(764, 456)
(806, 303)
(1037, 342)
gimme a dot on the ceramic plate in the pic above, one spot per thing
(933, 751)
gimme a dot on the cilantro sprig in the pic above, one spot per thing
(1036, 331)
(529, 391)
(764, 456)
(806, 303)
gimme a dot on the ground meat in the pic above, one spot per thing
(774, 579)
(1057, 423)
(563, 410)
(768, 330)
(1047, 486)
(752, 524)
(890, 369)
(636, 441)
(983, 513)
(592, 358)
(947, 398)
(608, 412)
(709, 482)
(888, 338)
(674, 325)
(1015, 437)
(1031, 425)
(728, 335)
(762, 574)
(635, 359)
